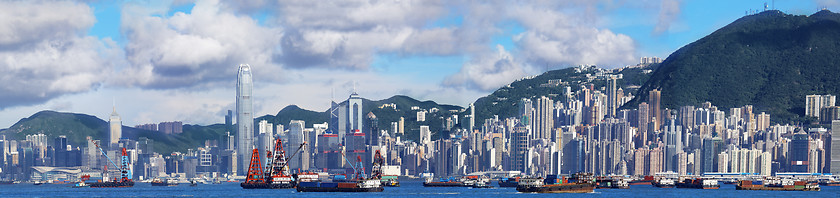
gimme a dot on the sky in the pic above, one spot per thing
(156, 61)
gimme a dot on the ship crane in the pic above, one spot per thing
(358, 170)
(125, 173)
(278, 162)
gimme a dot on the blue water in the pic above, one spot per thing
(408, 189)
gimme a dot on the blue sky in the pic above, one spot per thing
(303, 51)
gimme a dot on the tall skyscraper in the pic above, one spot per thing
(834, 151)
(472, 117)
(612, 99)
(644, 119)
(297, 136)
(244, 116)
(655, 110)
(543, 122)
(116, 128)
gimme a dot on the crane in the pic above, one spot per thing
(125, 174)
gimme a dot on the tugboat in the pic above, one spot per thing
(359, 183)
(699, 183)
(509, 182)
(778, 185)
(276, 175)
(580, 183)
(664, 183)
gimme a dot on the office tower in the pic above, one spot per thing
(297, 136)
(229, 121)
(655, 111)
(425, 135)
(371, 131)
(244, 117)
(612, 99)
(644, 119)
(686, 117)
(799, 152)
(519, 148)
(526, 111)
(834, 151)
(116, 128)
(472, 117)
(543, 119)
(265, 138)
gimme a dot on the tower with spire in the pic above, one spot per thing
(115, 132)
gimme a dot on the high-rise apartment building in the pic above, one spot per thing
(655, 110)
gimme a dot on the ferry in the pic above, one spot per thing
(509, 181)
(612, 183)
(581, 183)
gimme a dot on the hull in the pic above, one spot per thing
(265, 186)
(508, 184)
(164, 184)
(658, 185)
(445, 184)
(112, 184)
(559, 188)
(640, 183)
(337, 189)
(776, 188)
(696, 186)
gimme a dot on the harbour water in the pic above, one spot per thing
(408, 189)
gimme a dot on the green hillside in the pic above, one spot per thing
(771, 60)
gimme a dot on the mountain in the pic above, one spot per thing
(503, 101)
(78, 126)
(386, 115)
(770, 60)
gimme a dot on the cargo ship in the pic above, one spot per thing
(474, 181)
(777, 185)
(358, 183)
(829, 183)
(509, 182)
(699, 183)
(612, 183)
(580, 183)
(664, 183)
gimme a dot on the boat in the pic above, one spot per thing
(445, 182)
(5, 182)
(580, 183)
(112, 184)
(193, 183)
(829, 183)
(162, 182)
(37, 183)
(664, 183)
(390, 181)
(612, 183)
(358, 183)
(699, 183)
(509, 182)
(777, 185)
(276, 175)
(81, 184)
(647, 180)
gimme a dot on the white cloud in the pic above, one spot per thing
(199, 49)
(669, 10)
(43, 53)
(488, 72)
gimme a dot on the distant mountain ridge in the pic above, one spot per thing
(770, 60)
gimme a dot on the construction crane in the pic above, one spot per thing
(358, 170)
(278, 162)
(125, 173)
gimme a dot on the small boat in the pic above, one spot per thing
(580, 183)
(81, 184)
(193, 183)
(612, 183)
(829, 183)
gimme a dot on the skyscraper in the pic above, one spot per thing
(834, 151)
(244, 116)
(116, 128)
(644, 119)
(655, 111)
(612, 100)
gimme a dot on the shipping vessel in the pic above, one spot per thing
(125, 173)
(275, 176)
(647, 180)
(359, 183)
(580, 183)
(509, 182)
(612, 183)
(664, 183)
(390, 181)
(164, 182)
(777, 185)
(829, 183)
(474, 181)
(699, 183)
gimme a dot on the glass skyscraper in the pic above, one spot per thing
(244, 117)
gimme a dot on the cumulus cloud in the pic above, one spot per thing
(43, 53)
(487, 71)
(197, 49)
(669, 10)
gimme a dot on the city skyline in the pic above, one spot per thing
(176, 60)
